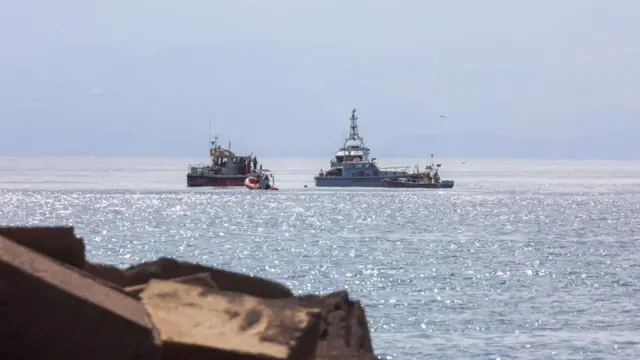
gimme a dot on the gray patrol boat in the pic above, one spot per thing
(351, 166)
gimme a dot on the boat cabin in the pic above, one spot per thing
(225, 162)
(359, 169)
(351, 153)
(353, 148)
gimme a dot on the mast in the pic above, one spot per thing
(353, 129)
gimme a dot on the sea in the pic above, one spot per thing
(522, 259)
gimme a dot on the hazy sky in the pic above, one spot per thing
(514, 78)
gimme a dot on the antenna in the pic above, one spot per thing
(353, 128)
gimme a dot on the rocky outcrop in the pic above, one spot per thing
(52, 311)
(344, 328)
(202, 280)
(59, 243)
(166, 268)
(223, 324)
(51, 300)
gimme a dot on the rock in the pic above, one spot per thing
(109, 273)
(203, 280)
(344, 333)
(59, 243)
(51, 300)
(165, 268)
(53, 311)
(196, 323)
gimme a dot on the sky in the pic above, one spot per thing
(543, 79)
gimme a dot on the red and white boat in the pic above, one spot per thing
(226, 169)
(259, 182)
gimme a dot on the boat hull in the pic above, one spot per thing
(343, 181)
(216, 181)
(445, 184)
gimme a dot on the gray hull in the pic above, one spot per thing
(445, 184)
(342, 181)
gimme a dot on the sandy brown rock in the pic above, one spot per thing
(196, 323)
(53, 311)
(59, 242)
(203, 280)
(165, 268)
(344, 332)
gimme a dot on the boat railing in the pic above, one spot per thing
(394, 168)
(197, 167)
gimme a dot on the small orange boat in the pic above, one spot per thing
(252, 183)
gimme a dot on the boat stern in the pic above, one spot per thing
(446, 184)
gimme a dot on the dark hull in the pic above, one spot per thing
(220, 180)
(446, 184)
(345, 181)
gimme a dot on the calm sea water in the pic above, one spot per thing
(521, 260)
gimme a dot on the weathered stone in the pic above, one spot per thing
(109, 273)
(344, 333)
(196, 323)
(53, 311)
(59, 243)
(165, 268)
(203, 280)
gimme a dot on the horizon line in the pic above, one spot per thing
(560, 158)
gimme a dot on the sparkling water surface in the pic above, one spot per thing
(521, 260)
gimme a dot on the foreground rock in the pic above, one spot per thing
(59, 243)
(51, 300)
(165, 268)
(54, 312)
(202, 280)
(344, 329)
(216, 324)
